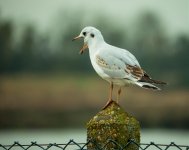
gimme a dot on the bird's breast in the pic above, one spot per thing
(96, 67)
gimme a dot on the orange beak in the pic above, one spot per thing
(76, 38)
(85, 46)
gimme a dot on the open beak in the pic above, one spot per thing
(85, 46)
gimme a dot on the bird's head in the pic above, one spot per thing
(91, 35)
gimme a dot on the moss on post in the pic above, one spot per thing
(113, 123)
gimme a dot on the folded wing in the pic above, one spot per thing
(124, 65)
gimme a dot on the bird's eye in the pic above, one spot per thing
(84, 33)
(92, 35)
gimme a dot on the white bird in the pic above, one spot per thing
(115, 65)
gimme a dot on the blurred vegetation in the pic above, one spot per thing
(61, 100)
(54, 51)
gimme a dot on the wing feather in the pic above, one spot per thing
(111, 66)
(119, 65)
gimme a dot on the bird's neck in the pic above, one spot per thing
(96, 45)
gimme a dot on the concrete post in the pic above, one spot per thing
(112, 123)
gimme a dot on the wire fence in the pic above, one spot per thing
(72, 145)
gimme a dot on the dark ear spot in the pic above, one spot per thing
(92, 35)
(84, 33)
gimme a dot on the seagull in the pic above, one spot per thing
(115, 65)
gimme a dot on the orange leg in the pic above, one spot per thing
(111, 90)
(110, 95)
(118, 94)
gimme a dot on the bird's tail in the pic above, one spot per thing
(147, 85)
(147, 82)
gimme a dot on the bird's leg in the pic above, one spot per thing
(118, 94)
(111, 90)
(110, 96)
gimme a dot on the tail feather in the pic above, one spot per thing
(146, 78)
(147, 85)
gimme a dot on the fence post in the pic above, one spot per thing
(113, 124)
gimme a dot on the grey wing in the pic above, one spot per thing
(118, 65)
(111, 66)
(126, 57)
